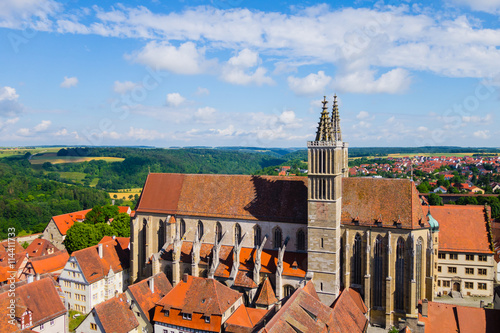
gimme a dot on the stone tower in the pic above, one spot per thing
(327, 156)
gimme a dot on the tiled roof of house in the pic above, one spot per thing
(356, 296)
(146, 299)
(244, 319)
(198, 297)
(281, 199)
(348, 315)
(40, 247)
(49, 263)
(95, 268)
(4, 274)
(124, 242)
(4, 246)
(266, 294)
(115, 315)
(65, 221)
(462, 228)
(40, 297)
(453, 318)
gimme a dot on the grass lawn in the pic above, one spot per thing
(74, 322)
(75, 176)
(94, 182)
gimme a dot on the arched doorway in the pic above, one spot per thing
(456, 286)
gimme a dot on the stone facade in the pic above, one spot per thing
(53, 234)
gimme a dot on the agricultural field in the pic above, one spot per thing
(125, 194)
(54, 159)
(7, 152)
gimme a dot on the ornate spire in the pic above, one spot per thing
(324, 132)
(337, 133)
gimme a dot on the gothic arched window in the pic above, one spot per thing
(278, 238)
(161, 234)
(356, 260)
(257, 235)
(418, 273)
(378, 272)
(288, 290)
(301, 240)
(144, 241)
(218, 232)
(400, 275)
(237, 234)
(200, 230)
(182, 228)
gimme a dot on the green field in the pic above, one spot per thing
(74, 176)
(54, 159)
(6, 152)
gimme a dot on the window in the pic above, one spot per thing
(469, 257)
(257, 236)
(161, 234)
(186, 316)
(301, 241)
(200, 230)
(68, 294)
(322, 243)
(439, 283)
(441, 255)
(400, 274)
(52, 322)
(452, 269)
(419, 268)
(446, 284)
(207, 319)
(93, 327)
(73, 265)
(453, 256)
(469, 285)
(439, 269)
(356, 258)
(277, 238)
(237, 234)
(94, 297)
(42, 327)
(481, 271)
(481, 286)
(481, 258)
(378, 272)
(469, 270)
(218, 232)
(182, 228)
(166, 313)
(289, 290)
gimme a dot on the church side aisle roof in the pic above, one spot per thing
(366, 201)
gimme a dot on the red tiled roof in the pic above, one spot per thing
(49, 263)
(244, 319)
(95, 268)
(4, 246)
(281, 199)
(66, 221)
(356, 296)
(115, 315)
(462, 228)
(266, 294)
(199, 297)
(4, 274)
(40, 247)
(348, 315)
(124, 242)
(142, 294)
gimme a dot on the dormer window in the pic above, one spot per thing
(166, 313)
(207, 319)
(186, 316)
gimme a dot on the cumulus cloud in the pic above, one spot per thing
(482, 134)
(39, 128)
(489, 6)
(237, 70)
(175, 99)
(363, 115)
(205, 114)
(309, 85)
(69, 82)
(14, 13)
(42, 126)
(143, 134)
(202, 91)
(9, 105)
(364, 81)
(124, 87)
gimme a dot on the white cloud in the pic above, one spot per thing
(490, 6)
(69, 82)
(8, 94)
(202, 91)
(15, 13)
(42, 126)
(482, 134)
(175, 99)
(363, 115)
(245, 59)
(124, 87)
(309, 85)
(143, 134)
(9, 105)
(185, 59)
(237, 69)
(394, 81)
(205, 114)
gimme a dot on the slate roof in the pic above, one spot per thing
(95, 268)
(142, 294)
(462, 228)
(366, 201)
(115, 315)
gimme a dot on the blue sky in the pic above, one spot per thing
(249, 73)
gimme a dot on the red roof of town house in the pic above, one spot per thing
(66, 221)
(199, 297)
(40, 297)
(4, 274)
(356, 296)
(115, 315)
(49, 263)
(347, 314)
(244, 319)
(146, 299)
(124, 242)
(4, 246)
(266, 294)
(95, 268)
(453, 318)
(40, 247)
(462, 228)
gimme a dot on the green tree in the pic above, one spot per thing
(121, 225)
(101, 214)
(25, 244)
(423, 187)
(80, 236)
(101, 230)
(435, 200)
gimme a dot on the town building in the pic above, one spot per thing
(52, 263)
(196, 305)
(96, 274)
(111, 316)
(465, 262)
(40, 247)
(38, 307)
(144, 295)
(338, 232)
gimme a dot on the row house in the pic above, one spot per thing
(95, 274)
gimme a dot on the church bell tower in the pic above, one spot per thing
(327, 157)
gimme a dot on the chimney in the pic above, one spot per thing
(37, 276)
(100, 250)
(185, 277)
(425, 307)
(152, 284)
(30, 278)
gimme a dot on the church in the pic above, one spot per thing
(364, 233)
